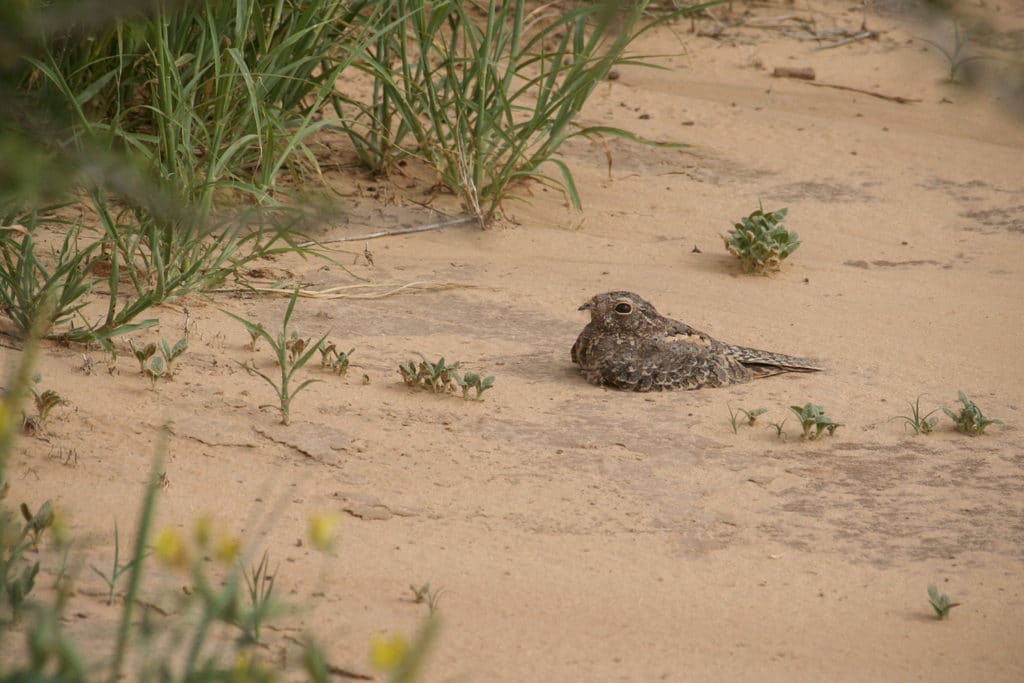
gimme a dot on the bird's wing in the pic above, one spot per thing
(672, 363)
(677, 332)
(762, 363)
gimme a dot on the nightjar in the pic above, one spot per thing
(628, 345)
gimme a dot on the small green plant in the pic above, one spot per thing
(142, 353)
(472, 380)
(255, 334)
(36, 524)
(45, 402)
(441, 377)
(761, 242)
(814, 420)
(25, 280)
(750, 416)
(259, 584)
(296, 346)
(955, 57)
(290, 359)
(15, 585)
(970, 420)
(117, 569)
(154, 370)
(940, 602)
(777, 426)
(424, 594)
(920, 423)
(331, 358)
(171, 353)
(438, 377)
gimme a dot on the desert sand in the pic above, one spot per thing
(581, 534)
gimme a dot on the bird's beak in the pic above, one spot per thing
(586, 307)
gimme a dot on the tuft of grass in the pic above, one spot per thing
(814, 421)
(117, 569)
(750, 416)
(184, 127)
(26, 279)
(777, 426)
(217, 100)
(425, 594)
(940, 602)
(488, 93)
(921, 423)
(970, 420)
(259, 583)
(761, 242)
(290, 356)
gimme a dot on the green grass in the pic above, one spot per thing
(259, 587)
(187, 130)
(426, 594)
(921, 423)
(487, 94)
(27, 276)
(749, 416)
(291, 353)
(117, 569)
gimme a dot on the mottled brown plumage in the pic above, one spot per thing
(629, 345)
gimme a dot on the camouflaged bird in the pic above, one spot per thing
(628, 345)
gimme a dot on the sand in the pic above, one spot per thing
(582, 534)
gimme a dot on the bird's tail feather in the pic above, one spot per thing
(765, 363)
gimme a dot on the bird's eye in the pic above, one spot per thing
(623, 308)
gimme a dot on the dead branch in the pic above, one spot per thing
(345, 291)
(891, 98)
(404, 230)
(845, 41)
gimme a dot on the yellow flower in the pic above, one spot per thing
(60, 529)
(203, 531)
(170, 548)
(249, 669)
(387, 653)
(321, 529)
(228, 548)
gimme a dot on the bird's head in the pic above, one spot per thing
(623, 311)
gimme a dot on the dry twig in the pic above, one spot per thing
(891, 98)
(404, 230)
(845, 41)
(378, 290)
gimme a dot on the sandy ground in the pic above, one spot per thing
(581, 534)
